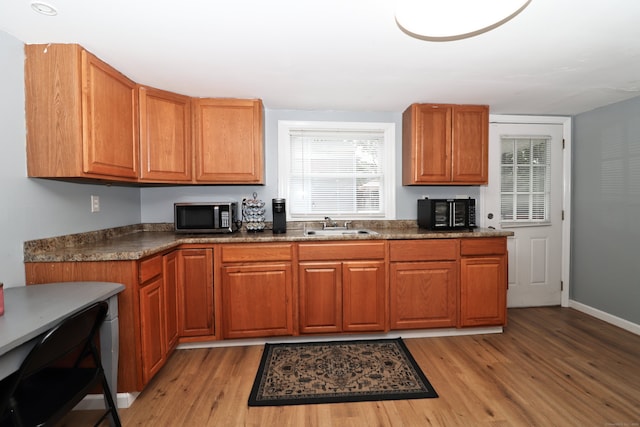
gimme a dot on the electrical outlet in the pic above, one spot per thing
(95, 203)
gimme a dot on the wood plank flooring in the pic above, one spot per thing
(551, 367)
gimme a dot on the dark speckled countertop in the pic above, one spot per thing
(139, 241)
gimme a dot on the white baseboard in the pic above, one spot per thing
(96, 401)
(609, 318)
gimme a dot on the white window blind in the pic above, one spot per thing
(525, 179)
(335, 170)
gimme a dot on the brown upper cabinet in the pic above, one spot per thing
(229, 141)
(165, 136)
(82, 116)
(85, 120)
(445, 144)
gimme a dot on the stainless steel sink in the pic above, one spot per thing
(339, 232)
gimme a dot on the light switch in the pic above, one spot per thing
(95, 203)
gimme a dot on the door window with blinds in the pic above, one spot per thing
(337, 169)
(525, 180)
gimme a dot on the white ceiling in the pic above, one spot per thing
(557, 57)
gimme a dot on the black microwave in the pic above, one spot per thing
(447, 214)
(215, 217)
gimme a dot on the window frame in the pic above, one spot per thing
(389, 167)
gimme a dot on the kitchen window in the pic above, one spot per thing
(344, 170)
(525, 180)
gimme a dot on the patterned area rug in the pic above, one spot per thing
(338, 371)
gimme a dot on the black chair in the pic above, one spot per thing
(62, 368)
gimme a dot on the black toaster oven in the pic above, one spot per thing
(447, 214)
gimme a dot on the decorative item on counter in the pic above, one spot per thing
(253, 213)
(279, 216)
(1, 298)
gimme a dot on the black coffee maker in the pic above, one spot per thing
(279, 216)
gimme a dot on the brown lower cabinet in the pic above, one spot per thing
(423, 284)
(483, 282)
(196, 302)
(257, 288)
(172, 286)
(144, 308)
(247, 290)
(153, 334)
(342, 287)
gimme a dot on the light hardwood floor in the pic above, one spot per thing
(551, 367)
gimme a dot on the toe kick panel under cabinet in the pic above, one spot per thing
(257, 289)
(342, 287)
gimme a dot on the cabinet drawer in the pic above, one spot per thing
(483, 246)
(150, 268)
(423, 250)
(252, 253)
(340, 251)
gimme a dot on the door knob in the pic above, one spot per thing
(490, 216)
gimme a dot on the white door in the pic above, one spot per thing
(525, 195)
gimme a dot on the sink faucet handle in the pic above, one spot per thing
(346, 224)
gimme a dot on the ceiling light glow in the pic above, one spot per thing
(44, 8)
(446, 20)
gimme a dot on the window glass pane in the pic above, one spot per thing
(525, 176)
(539, 179)
(507, 179)
(523, 149)
(508, 146)
(540, 152)
(538, 207)
(522, 206)
(336, 172)
(523, 179)
(506, 207)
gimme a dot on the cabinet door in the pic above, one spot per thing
(110, 120)
(229, 141)
(256, 300)
(170, 277)
(320, 297)
(152, 328)
(165, 136)
(195, 270)
(445, 144)
(483, 291)
(423, 294)
(470, 144)
(363, 294)
(426, 146)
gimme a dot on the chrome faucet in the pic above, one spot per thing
(329, 223)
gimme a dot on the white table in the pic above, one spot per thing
(31, 311)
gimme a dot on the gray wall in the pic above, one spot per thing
(157, 203)
(605, 242)
(33, 208)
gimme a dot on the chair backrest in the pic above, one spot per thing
(45, 388)
(75, 333)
